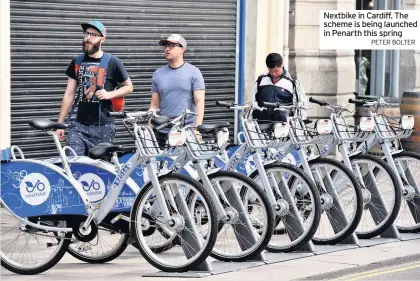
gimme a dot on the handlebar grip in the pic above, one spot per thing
(224, 103)
(270, 104)
(117, 114)
(163, 126)
(317, 101)
(359, 102)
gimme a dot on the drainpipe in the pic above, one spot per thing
(286, 34)
(395, 67)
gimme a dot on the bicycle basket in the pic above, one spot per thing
(266, 135)
(302, 134)
(149, 146)
(359, 133)
(208, 145)
(394, 127)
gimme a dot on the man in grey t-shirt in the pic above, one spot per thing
(177, 85)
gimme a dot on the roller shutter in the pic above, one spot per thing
(46, 35)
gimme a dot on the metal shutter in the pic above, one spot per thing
(46, 35)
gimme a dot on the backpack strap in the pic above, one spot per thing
(101, 78)
(293, 80)
(78, 72)
(260, 79)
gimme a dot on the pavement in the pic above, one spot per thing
(390, 261)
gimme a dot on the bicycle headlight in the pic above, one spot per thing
(324, 126)
(366, 124)
(222, 137)
(407, 122)
(177, 137)
(281, 130)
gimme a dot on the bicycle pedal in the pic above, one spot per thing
(51, 244)
(119, 217)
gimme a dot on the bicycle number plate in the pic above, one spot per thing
(407, 122)
(367, 124)
(177, 137)
(281, 130)
(324, 126)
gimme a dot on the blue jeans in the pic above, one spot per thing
(83, 137)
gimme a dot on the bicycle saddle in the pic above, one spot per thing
(160, 120)
(102, 150)
(45, 124)
(208, 128)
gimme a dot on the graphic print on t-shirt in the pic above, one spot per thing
(88, 81)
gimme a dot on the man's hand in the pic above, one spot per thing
(103, 94)
(199, 136)
(60, 134)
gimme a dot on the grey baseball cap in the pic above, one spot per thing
(174, 38)
(95, 25)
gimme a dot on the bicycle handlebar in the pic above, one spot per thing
(317, 101)
(163, 126)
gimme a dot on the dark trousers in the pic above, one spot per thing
(83, 137)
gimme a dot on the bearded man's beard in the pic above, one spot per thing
(88, 50)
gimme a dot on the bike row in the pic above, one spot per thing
(196, 198)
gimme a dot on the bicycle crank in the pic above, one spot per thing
(86, 235)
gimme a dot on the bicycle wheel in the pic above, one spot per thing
(342, 201)
(251, 218)
(381, 195)
(408, 219)
(27, 250)
(301, 207)
(105, 247)
(193, 249)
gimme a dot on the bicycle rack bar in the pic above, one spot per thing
(191, 237)
(242, 232)
(294, 225)
(391, 231)
(337, 214)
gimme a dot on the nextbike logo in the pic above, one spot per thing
(35, 189)
(93, 185)
(121, 175)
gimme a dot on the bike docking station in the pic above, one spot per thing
(212, 266)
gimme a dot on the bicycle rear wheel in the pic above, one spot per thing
(28, 250)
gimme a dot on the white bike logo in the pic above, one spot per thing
(93, 185)
(35, 189)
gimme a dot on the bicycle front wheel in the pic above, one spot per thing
(408, 219)
(252, 222)
(186, 248)
(342, 200)
(300, 206)
(381, 195)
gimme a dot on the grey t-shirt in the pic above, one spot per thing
(175, 87)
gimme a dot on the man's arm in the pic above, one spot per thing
(125, 89)
(68, 99)
(199, 98)
(154, 103)
(121, 75)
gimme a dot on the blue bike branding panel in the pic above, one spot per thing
(32, 189)
(96, 182)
